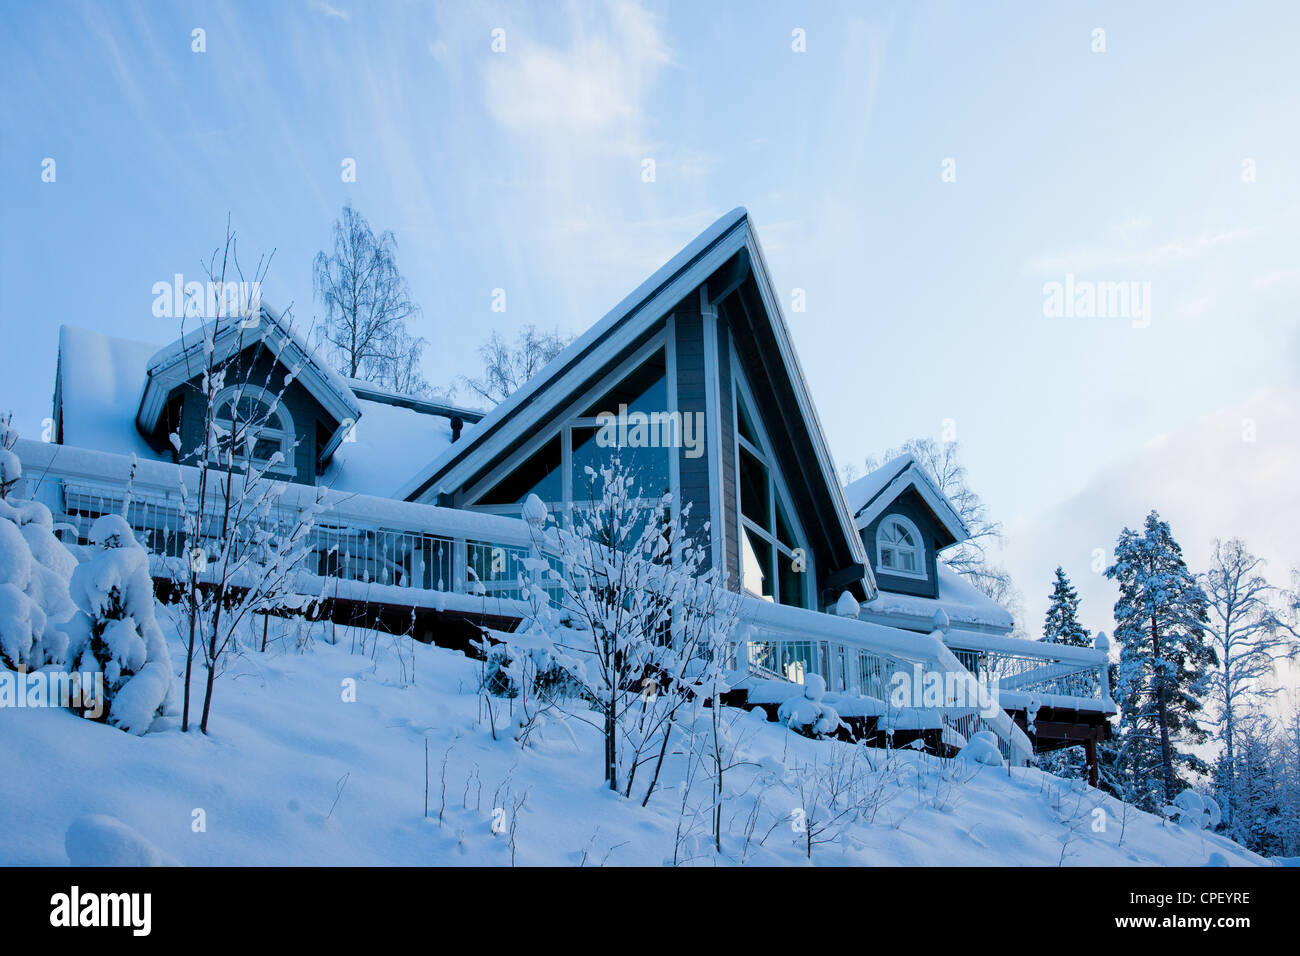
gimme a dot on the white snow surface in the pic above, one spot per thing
(293, 774)
(389, 444)
(962, 602)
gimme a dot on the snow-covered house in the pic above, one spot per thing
(697, 368)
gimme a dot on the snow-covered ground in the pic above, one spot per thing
(295, 773)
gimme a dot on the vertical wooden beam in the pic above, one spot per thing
(1090, 751)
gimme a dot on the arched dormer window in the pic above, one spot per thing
(899, 548)
(252, 424)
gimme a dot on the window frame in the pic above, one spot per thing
(286, 433)
(777, 494)
(923, 572)
(568, 420)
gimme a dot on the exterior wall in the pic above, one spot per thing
(695, 483)
(911, 506)
(265, 371)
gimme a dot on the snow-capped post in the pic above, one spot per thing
(846, 606)
(1101, 643)
(940, 622)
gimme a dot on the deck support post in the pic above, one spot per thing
(1090, 751)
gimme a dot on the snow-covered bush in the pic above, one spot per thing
(808, 713)
(982, 749)
(34, 572)
(1196, 810)
(114, 631)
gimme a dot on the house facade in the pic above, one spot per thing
(692, 382)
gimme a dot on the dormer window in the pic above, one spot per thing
(252, 425)
(899, 549)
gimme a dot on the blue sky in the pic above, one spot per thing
(522, 170)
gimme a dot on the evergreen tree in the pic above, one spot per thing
(1164, 663)
(1061, 625)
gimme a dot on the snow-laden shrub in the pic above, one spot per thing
(114, 631)
(808, 713)
(1195, 810)
(982, 748)
(34, 572)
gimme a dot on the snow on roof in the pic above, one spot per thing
(960, 600)
(389, 442)
(870, 495)
(860, 493)
(101, 381)
(103, 377)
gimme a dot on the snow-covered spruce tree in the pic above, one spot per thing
(34, 572)
(1061, 625)
(1251, 639)
(114, 631)
(1165, 664)
(639, 627)
(243, 550)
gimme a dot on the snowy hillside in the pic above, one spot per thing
(295, 773)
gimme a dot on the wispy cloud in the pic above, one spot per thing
(1126, 254)
(329, 10)
(598, 80)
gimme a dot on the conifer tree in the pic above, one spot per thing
(1061, 625)
(1165, 664)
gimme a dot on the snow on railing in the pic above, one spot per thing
(1051, 674)
(357, 538)
(863, 659)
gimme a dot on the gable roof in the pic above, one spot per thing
(185, 358)
(870, 495)
(730, 237)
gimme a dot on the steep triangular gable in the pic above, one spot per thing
(871, 494)
(185, 358)
(725, 258)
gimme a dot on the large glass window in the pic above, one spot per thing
(630, 421)
(773, 562)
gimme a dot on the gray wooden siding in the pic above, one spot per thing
(691, 399)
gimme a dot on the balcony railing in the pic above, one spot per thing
(358, 538)
(1036, 672)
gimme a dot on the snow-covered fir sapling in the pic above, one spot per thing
(114, 632)
(34, 572)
